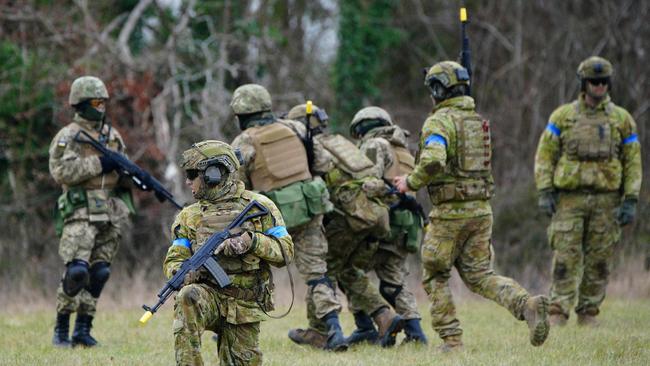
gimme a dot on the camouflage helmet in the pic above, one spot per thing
(318, 116)
(448, 73)
(87, 87)
(370, 113)
(594, 67)
(250, 98)
(210, 152)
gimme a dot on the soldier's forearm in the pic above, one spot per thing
(73, 171)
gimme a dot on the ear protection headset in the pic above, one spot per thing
(212, 175)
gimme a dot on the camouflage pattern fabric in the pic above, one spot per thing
(71, 165)
(204, 306)
(434, 164)
(311, 246)
(464, 244)
(582, 234)
(196, 310)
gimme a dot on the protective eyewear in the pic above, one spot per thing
(598, 81)
(191, 174)
(96, 102)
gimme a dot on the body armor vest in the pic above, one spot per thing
(280, 157)
(470, 166)
(349, 161)
(246, 271)
(590, 138)
(102, 181)
(403, 163)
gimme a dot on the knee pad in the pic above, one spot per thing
(76, 277)
(99, 273)
(389, 291)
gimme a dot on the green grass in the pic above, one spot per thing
(492, 337)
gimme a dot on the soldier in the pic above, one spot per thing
(385, 144)
(588, 174)
(454, 163)
(233, 312)
(93, 208)
(360, 218)
(275, 163)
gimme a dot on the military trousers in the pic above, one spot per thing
(92, 242)
(463, 244)
(310, 246)
(346, 249)
(582, 234)
(389, 264)
(196, 310)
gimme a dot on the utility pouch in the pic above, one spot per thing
(362, 213)
(70, 201)
(317, 197)
(97, 205)
(125, 195)
(291, 203)
(406, 227)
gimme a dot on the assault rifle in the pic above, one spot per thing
(465, 53)
(406, 202)
(143, 180)
(203, 258)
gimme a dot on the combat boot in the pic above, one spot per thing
(309, 337)
(557, 320)
(587, 320)
(365, 329)
(81, 335)
(389, 324)
(414, 332)
(536, 315)
(62, 330)
(451, 344)
(335, 339)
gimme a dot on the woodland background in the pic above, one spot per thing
(171, 66)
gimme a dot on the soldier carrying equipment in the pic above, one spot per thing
(203, 258)
(124, 166)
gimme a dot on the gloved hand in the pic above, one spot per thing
(626, 212)
(108, 165)
(547, 201)
(237, 245)
(192, 277)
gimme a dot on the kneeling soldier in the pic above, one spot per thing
(233, 312)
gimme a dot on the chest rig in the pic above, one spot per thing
(470, 164)
(592, 137)
(280, 157)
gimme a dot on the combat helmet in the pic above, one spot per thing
(210, 157)
(444, 76)
(87, 87)
(594, 67)
(368, 118)
(318, 120)
(250, 98)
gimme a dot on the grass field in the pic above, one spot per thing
(492, 337)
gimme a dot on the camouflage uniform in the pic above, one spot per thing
(233, 312)
(93, 223)
(311, 246)
(590, 158)
(454, 164)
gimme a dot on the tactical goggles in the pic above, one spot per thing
(96, 102)
(598, 81)
(191, 174)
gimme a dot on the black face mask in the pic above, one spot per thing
(86, 111)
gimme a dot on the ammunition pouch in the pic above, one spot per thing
(300, 201)
(463, 190)
(261, 294)
(590, 140)
(66, 205)
(406, 228)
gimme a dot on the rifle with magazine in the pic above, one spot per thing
(204, 258)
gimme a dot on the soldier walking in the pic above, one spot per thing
(588, 175)
(454, 163)
(93, 210)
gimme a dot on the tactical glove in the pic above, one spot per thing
(626, 212)
(192, 277)
(108, 165)
(237, 245)
(547, 202)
